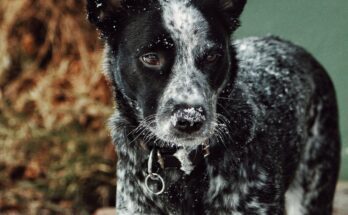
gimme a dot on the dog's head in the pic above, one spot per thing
(170, 59)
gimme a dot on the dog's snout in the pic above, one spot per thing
(188, 119)
(187, 126)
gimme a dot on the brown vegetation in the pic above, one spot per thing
(55, 153)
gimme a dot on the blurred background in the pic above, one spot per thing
(55, 152)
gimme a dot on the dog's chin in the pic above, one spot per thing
(189, 141)
(188, 144)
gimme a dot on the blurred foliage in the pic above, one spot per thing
(55, 153)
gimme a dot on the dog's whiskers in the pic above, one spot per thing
(142, 128)
(227, 98)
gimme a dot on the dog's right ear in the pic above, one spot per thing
(103, 13)
(231, 10)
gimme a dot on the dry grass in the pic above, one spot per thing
(55, 153)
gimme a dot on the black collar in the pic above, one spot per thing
(165, 158)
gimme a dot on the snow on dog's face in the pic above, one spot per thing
(169, 59)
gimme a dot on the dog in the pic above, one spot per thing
(205, 125)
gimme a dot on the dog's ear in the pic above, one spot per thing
(102, 13)
(231, 11)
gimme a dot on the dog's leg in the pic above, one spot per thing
(312, 191)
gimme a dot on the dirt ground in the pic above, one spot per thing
(341, 199)
(341, 202)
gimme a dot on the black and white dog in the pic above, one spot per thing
(207, 126)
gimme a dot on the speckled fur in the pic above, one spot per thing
(278, 151)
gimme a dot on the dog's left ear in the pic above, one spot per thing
(102, 13)
(231, 11)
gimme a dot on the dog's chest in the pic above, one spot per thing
(184, 193)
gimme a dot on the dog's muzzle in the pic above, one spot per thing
(188, 119)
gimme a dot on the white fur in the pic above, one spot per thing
(186, 164)
(293, 201)
(216, 185)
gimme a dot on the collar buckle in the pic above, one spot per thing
(206, 149)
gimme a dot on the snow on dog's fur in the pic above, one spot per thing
(265, 107)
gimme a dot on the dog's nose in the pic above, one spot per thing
(188, 119)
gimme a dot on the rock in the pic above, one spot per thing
(341, 199)
(106, 211)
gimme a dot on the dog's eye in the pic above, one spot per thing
(211, 58)
(151, 60)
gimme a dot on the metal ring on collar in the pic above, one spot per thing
(154, 177)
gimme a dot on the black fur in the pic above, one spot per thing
(277, 139)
